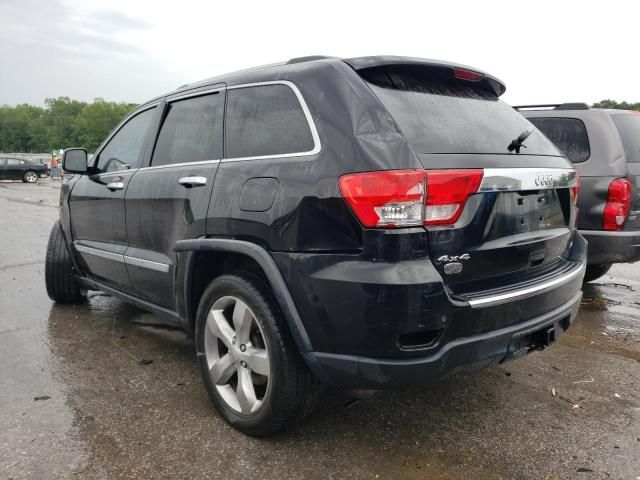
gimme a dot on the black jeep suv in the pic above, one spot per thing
(604, 146)
(369, 222)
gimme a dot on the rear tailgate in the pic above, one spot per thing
(628, 125)
(519, 224)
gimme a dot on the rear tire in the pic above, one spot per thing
(30, 176)
(279, 396)
(596, 271)
(59, 274)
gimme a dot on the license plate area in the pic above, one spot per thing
(528, 211)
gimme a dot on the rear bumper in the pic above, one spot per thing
(373, 324)
(612, 247)
(474, 352)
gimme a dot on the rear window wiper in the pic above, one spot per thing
(518, 143)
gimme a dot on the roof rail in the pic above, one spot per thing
(554, 106)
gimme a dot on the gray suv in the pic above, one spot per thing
(604, 146)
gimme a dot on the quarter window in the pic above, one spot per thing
(124, 150)
(265, 120)
(569, 135)
(191, 132)
(629, 127)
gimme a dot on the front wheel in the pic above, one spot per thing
(250, 365)
(62, 285)
(30, 176)
(594, 272)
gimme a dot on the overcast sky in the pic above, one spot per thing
(129, 50)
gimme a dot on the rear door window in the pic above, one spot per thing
(265, 120)
(191, 131)
(629, 127)
(568, 134)
(438, 114)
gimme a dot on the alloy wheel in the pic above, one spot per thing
(237, 355)
(31, 177)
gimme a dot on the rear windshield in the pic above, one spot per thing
(629, 128)
(440, 115)
(568, 134)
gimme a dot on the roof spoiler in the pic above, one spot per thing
(554, 106)
(466, 73)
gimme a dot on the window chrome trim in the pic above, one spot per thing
(118, 257)
(307, 113)
(139, 262)
(170, 99)
(514, 179)
(181, 164)
(525, 292)
(114, 172)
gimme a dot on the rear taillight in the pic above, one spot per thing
(618, 204)
(576, 189)
(447, 193)
(403, 198)
(393, 198)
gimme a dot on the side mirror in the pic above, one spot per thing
(75, 160)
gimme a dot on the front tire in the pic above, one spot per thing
(250, 365)
(62, 286)
(594, 272)
(30, 176)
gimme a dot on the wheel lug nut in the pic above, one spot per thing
(243, 364)
(243, 348)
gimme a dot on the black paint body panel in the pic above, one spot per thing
(344, 290)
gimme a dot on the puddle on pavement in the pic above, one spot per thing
(609, 318)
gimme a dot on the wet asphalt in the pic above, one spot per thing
(105, 390)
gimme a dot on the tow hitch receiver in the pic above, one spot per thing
(528, 341)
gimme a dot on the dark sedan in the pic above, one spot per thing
(20, 169)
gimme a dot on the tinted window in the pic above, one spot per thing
(444, 115)
(12, 161)
(124, 150)
(629, 128)
(569, 135)
(191, 132)
(265, 120)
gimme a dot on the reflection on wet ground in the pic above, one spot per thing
(126, 400)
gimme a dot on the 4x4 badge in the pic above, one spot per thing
(453, 258)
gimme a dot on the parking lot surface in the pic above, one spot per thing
(104, 390)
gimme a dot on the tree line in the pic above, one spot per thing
(63, 122)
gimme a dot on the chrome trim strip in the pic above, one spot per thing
(182, 164)
(139, 262)
(514, 179)
(526, 291)
(100, 253)
(170, 99)
(307, 113)
(116, 172)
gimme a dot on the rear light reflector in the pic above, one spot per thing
(618, 204)
(447, 193)
(393, 198)
(403, 198)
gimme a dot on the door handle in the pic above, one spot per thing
(113, 186)
(189, 182)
